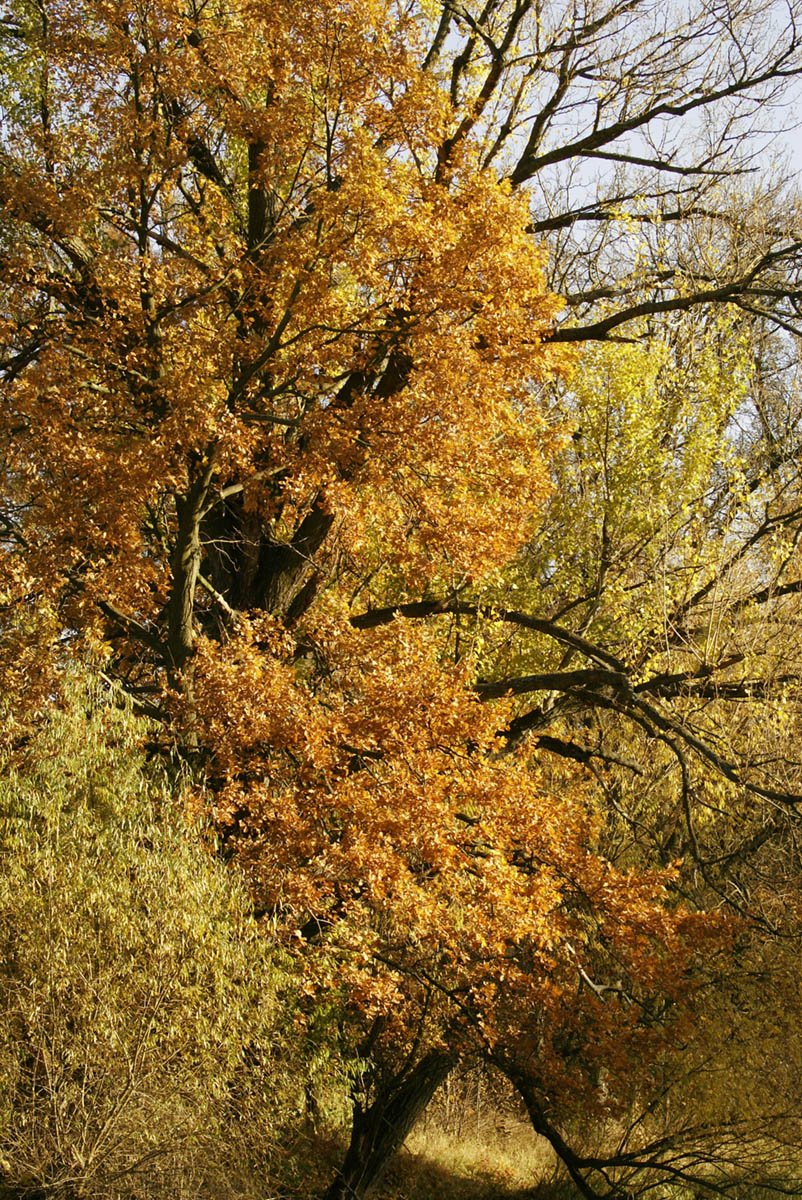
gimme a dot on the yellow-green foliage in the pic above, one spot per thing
(651, 450)
(144, 1022)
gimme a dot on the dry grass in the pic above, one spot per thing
(437, 1164)
(475, 1144)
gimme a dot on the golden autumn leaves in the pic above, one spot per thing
(173, 328)
(454, 892)
(274, 353)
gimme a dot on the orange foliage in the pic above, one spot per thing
(455, 889)
(364, 336)
(265, 354)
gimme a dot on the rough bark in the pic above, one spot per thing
(378, 1131)
(186, 561)
(254, 571)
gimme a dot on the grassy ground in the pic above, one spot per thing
(506, 1166)
(475, 1143)
(488, 1153)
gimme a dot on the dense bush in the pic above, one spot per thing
(145, 1023)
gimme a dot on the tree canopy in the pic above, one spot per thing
(398, 404)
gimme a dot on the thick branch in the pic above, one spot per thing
(428, 608)
(186, 559)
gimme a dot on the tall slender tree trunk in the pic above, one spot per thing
(379, 1131)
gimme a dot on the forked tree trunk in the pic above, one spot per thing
(379, 1131)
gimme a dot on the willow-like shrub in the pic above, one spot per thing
(143, 1018)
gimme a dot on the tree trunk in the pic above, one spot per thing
(378, 1132)
(575, 1164)
(253, 571)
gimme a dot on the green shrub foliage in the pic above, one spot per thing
(144, 1019)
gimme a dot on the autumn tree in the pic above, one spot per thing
(279, 376)
(684, 710)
